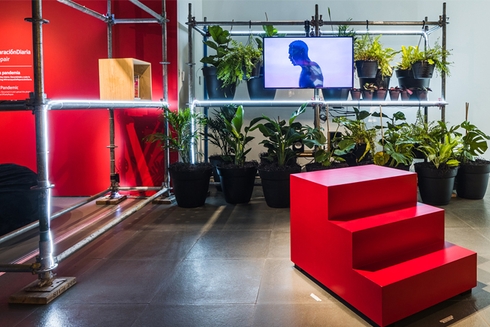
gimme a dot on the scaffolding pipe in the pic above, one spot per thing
(62, 256)
(35, 224)
(165, 63)
(444, 47)
(45, 258)
(14, 105)
(294, 103)
(301, 23)
(84, 9)
(17, 268)
(102, 104)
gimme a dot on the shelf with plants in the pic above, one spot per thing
(370, 31)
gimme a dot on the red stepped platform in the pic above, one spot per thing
(360, 232)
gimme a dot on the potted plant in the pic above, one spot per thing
(432, 58)
(404, 73)
(436, 175)
(358, 142)
(367, 51)
(327, 154)
(365, 58)
(216, 133)
(220, 43)
(240, 62)
(368, 90)
(190, 180)
(238, 177)
(396, 142)
(255, 84)
(394, 93)
(280, 161)
(473, 172)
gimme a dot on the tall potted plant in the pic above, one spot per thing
(473, 172)
(280, 161)
(216, 133)
(190, 180)
(238, 177)
(436, 176)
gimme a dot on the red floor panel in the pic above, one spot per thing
(360, 232)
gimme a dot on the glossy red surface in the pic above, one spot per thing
(360, 232)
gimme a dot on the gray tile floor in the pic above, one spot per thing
(218, 265)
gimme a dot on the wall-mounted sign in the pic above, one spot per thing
(16, 73)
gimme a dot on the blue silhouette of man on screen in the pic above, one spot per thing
(311, 74)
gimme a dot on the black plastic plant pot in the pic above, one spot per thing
(422, 69)
(190, 187)
(408, 81)
(366, 68)
(335, 94)
(275, 184)
(435, 185)
(214, 86)
(237, 183)
(472, 180)
(257, 91)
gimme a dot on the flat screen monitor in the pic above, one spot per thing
(308, 62)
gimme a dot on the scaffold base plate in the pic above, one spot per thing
(164, 200)
(107, 200)
(33, 294)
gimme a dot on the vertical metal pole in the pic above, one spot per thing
(316, 92)
(166, 175)
(112, 146)
(45, 258)
(443, 74)
(190, 80)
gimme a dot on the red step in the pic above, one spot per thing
(410, 286)
(360, 232)
(354, 192)
(388, 235)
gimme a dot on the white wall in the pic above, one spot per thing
(466, 38)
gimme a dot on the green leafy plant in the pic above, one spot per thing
(217, 132)
(356, 134)
(182, 136)
(368, 48)
(396, 141)
(220, 40)
(281, 136)
(237, 138)
(239, 62)
(473, 142)
(328, 154)
(440, 145)
(435, 55)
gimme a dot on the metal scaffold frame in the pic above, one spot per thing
(426, 28)
(38, 103)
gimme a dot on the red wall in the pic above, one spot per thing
(78, 139)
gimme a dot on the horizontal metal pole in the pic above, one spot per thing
(16, 268)
(13, 105)
(103, 104)
(137, 21)
(139, 188)
(147, 9)
(35, 224)
(302, 22)
(108, 226)
(84, 9)
(293, 103)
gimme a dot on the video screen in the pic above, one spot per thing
(308, 62)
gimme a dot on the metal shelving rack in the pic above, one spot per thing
(425, 26)
(39, 104)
